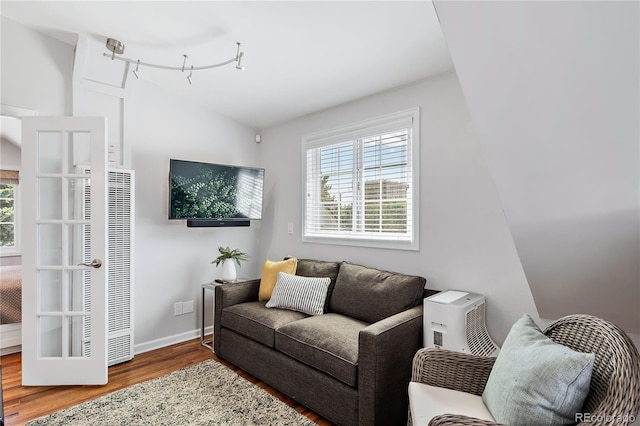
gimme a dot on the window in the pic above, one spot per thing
(361, 183)
(8, 217)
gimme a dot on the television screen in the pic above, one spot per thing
(214, 191)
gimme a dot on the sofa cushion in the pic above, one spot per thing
(536, 380)
(427, 402)
(302, 294)
(253, 320)
(370, 294)
(327, 342)
(319, 268)
(269, 275)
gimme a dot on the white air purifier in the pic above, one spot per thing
(455, 320)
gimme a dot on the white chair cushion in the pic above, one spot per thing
(427, 401)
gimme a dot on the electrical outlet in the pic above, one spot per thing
(177, 309)
(187, 307)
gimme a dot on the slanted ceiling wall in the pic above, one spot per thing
(553, 91)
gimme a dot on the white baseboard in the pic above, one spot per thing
(12, 347)
(10, 337)
(10, 350)
(139, 348)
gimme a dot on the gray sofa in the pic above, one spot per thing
(351, 365)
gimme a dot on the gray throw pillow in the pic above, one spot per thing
(302, 294)
(536, 381)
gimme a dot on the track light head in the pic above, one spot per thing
(239, 62)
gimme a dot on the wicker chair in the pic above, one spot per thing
(614, 395)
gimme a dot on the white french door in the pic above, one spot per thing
(64, 294)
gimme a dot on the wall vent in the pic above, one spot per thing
(120, 226)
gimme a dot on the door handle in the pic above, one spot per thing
(95, 263)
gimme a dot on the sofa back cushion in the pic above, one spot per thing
(319, 269)
(370, 294)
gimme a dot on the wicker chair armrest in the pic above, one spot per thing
(456, 419)
(451, 370)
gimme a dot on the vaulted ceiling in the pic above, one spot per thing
(300, 57)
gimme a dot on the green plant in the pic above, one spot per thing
(227, 253)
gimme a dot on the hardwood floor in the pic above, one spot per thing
(22, 404)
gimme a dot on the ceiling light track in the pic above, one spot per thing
(117, 47)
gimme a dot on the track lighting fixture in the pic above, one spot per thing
(116, 47)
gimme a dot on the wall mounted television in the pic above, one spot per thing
(207, 194)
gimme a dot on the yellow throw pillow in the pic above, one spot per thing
(269, 277)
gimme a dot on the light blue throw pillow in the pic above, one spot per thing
(536, 381)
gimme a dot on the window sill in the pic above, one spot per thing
(363, 242)
(10, 253)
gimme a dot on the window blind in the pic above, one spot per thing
(360, 186)
(9, 177)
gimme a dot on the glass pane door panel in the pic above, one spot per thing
(75, 348)
(50, 193)
(79, 151)
(50, 334)
(78, 251)
(50, 244)
(79, 286)
(50, 294)
(49, 149)
(78, 207)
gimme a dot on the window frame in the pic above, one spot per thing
(348, 133)
(15, 249)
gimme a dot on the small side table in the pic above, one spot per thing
(208, 343)
(212, 287)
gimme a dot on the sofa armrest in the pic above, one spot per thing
(228, 295)
(452, 370)
(233, 293)
(385, 351)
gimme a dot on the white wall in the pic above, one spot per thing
(9, 155)
(171, 260)
(36, 70)
(464, 239)
(554, 92)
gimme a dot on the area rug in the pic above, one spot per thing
(207, 393)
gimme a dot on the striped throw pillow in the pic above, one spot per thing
(302, 294)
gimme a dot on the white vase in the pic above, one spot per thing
(228, 270)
